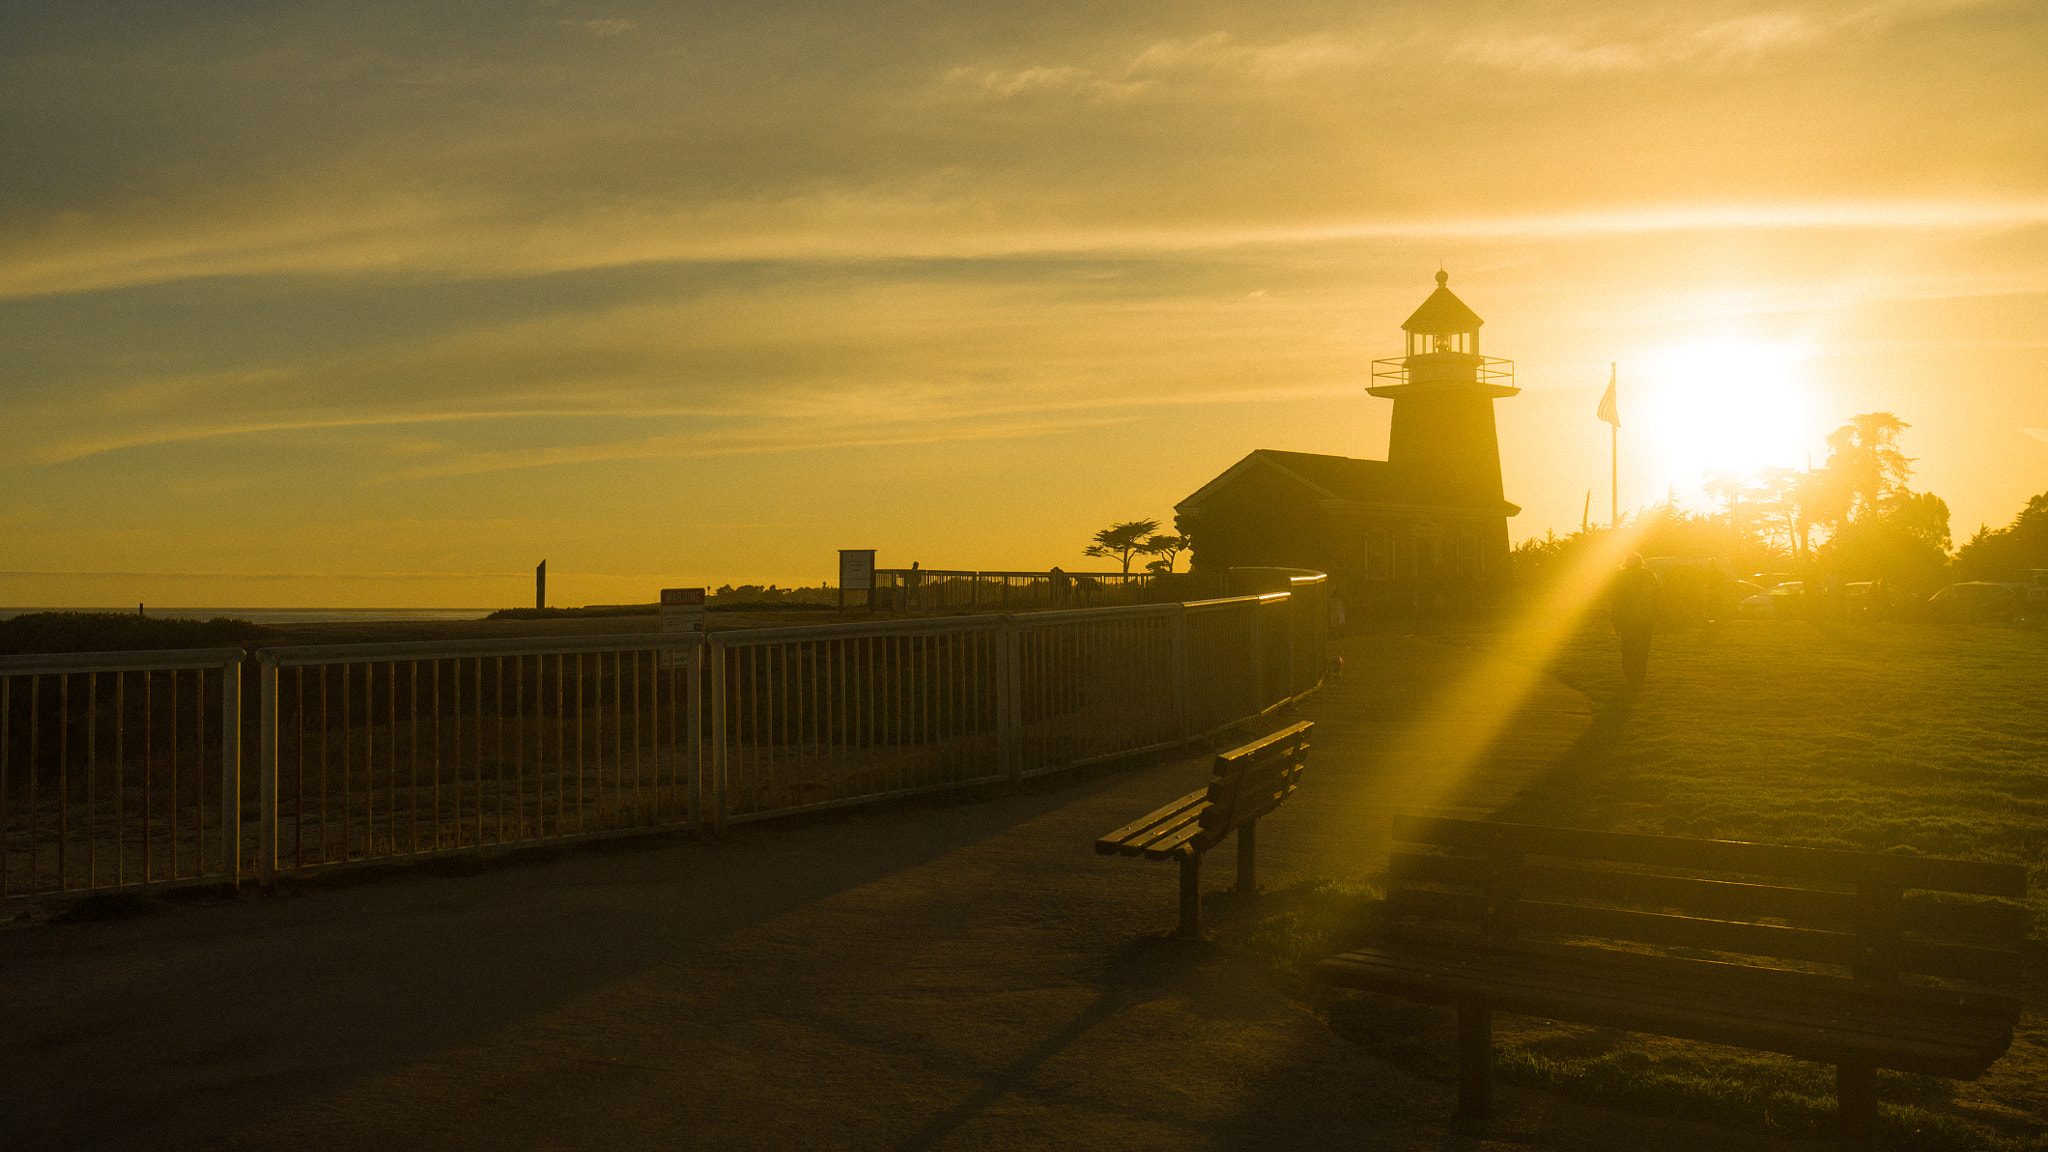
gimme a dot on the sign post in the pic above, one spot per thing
(857, 573)
(682, 610)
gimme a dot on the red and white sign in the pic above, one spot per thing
(682, 609)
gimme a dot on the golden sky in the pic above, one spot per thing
(378, 305)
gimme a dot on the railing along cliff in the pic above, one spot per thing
(137, 770)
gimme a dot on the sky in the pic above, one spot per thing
(378, 305)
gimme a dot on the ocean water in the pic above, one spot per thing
(281, 615)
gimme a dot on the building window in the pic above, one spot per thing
(1379, 560)
(1428, 553)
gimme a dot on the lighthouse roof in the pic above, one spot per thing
(1443, 313)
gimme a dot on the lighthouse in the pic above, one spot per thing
(1443, 437)
(1426, 527)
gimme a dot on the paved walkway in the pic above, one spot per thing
(952, 975)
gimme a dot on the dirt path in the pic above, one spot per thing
(957, 975)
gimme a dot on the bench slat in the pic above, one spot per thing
(1648, 927)
(1722, 999)
(1176, 844)
(1737, 856)
(1921, 1014)
(1555, 994)
(1720, 899)
(1235, 799)
(1843, 948)
(1652, 968)
(1177, 829)
(1277, 744)
(1108, 845)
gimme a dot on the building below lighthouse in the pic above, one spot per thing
(1425, 527)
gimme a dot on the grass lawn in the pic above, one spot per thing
(1879, 738)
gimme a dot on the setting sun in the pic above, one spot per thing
(1726, 405)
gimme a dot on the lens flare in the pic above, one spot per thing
(1431, 762)
(1728, 405)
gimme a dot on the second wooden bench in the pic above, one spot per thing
(1247, 783)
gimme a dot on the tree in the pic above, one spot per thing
(1166, 548)
(2003, 553)
(1728, 488)
(1866, 461)
(1782, 496)
(1122, 541)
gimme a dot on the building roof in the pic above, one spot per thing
(1343, 477)
(1330, 477)
(1338, 478)
(1443, 313)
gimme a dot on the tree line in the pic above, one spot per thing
(1855, 518)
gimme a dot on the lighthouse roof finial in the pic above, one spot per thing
(1443, 314)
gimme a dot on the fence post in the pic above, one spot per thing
(1179, 634)
(1258, 656)
(231, 771)
(1009, 716)
(718, 741)
(693, 682)
(1293, 620)
(266, 772)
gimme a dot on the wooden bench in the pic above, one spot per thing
(1247, 783)
(1808, 952)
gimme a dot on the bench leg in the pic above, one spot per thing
(1475, 1059)
(1856, 1107)
(1190, 896)
(1248, 857)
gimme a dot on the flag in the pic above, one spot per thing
(1608, 411)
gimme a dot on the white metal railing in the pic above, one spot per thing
(119, 769)
(377, 752)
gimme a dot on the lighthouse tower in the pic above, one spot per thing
(1443, 440)
(1425, 528)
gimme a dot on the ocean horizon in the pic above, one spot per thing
(280, 615)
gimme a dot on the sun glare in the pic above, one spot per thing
(1730, 405)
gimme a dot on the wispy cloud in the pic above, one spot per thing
(1667, 40)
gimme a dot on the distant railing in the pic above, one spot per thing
(922, 590)
(130, 770)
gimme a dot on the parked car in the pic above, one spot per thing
(1973, 601)
(1781, 602)
(1871, 600)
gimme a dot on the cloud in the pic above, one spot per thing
(1650, 40)
(1164, 66)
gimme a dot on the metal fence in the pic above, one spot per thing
(372, 751)
(919, 590)
(119, 769)
(131, 769)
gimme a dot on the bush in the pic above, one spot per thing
(120, 632)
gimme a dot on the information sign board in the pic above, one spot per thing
(682, 609)
(856, 569)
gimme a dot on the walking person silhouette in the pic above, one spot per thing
(1632, 603)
